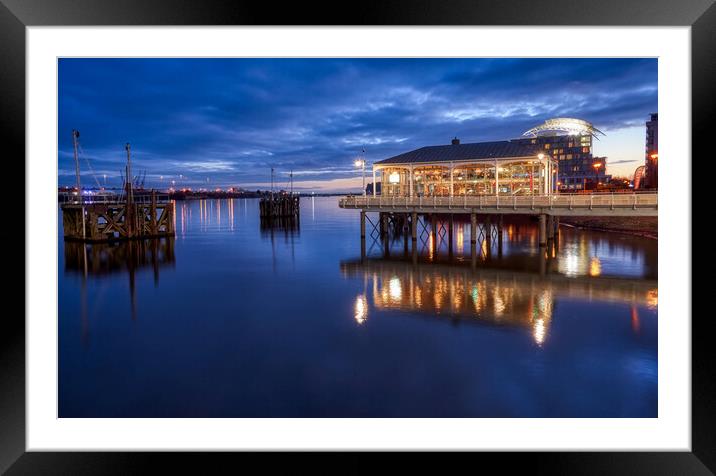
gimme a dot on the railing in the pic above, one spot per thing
(635, 200)
(111, 199)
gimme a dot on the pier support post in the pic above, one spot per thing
(488, 235)
(386, 234)
(556, 227)
(473, 239)
(542, 229)
(404, 219)
(362, 234)
(550, 227)
(499, 235)
(414, 227)
(434, 226)
(362, 225)
(450, 230)
(473, 228)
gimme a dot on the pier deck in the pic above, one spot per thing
(598, 204)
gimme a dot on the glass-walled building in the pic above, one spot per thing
(569, 141)
(484, 168)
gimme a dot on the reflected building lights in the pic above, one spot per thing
(431, 246)
(230, 210)
(652, 298)
(395, 290)
(595, 267)
(460, 239)
(361, 309)
(635, 324)
(539, 331)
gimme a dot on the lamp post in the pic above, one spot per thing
(596, 166)
(361, 163)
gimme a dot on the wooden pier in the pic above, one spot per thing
(280, 205)
(134, 214)
(113, 218)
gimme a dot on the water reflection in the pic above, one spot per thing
(512, 243)
(321, 333)
(93, 260)
(492, 295)
(97, 259)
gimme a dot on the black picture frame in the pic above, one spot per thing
(16, 15)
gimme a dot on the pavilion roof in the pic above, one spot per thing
(456, 152)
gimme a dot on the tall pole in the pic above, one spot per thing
(130, 197)
(75, 136)
(362, 164)
(374, 184)
(129, 173)
(363, 173)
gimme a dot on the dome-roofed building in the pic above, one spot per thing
(569, 141)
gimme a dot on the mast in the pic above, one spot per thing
(129, 173)
(130, 198)
(271, 182)
(75, 136)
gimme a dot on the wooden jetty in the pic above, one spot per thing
(279, 205)
(117, 218)
(130, 215)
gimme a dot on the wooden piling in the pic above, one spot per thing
(473, 228)
(542, 229)
(283, 205)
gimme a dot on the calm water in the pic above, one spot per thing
(230, 319)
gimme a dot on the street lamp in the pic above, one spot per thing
(596, 166)
(361, 163)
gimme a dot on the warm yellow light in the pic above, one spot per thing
(595, 266)
(395, 289)
(359, 163)
(597, 165)
(540, 156)
(394, 177)
(361, 309)
(539, 331)
(654, 156)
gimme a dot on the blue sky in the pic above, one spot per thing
(226, 122)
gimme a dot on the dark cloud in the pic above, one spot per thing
(230, 120)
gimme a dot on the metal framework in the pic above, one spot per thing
(569, 125)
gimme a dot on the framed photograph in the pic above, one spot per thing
(422, 227)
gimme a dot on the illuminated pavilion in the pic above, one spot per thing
(483, 168)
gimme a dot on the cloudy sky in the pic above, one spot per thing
(226, 122)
